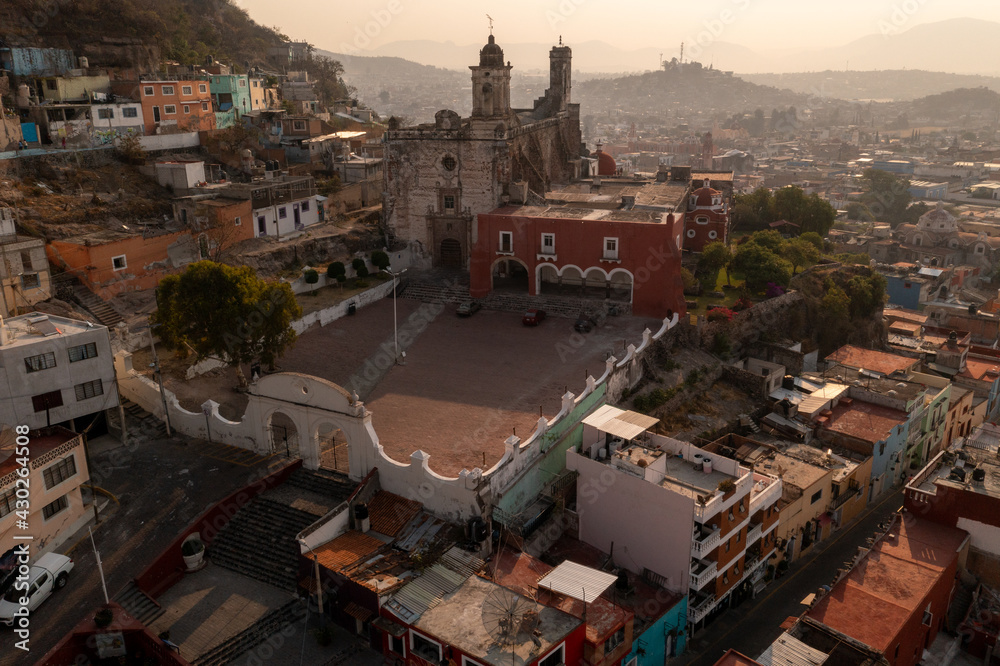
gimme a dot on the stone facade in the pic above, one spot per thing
(439, 176)
(937, 239)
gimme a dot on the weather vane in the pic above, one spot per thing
(491, 23)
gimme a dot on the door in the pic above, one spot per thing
(156, 114)
(451, 253)
(261, 226)
(39, 590)
(297, 216)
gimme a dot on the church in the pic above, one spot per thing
(438, 176)
(937, 239)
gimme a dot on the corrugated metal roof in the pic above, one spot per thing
(787, 650)
(577, 581)
(444, 577)
(620, 423)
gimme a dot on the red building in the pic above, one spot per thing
(896, 597)
(707, 218)
(626, 256)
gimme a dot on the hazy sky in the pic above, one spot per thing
(759, 24)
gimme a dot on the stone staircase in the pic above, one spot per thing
(259, 542)
(323, 482)
(438, 287)
(228, 651)
(959, 607)
(95, 306)
(150, 425)
(137, 604)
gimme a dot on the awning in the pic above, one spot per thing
(577, 581)
(389, 627)
(358, 612)
(825, 519)
(620, 423)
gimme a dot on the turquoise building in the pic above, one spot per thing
(231, 96)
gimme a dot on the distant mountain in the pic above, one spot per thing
(963, 46)
(890, 84)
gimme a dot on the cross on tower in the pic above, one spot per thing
(491, 23)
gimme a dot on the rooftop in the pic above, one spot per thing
(981, 369)
(865, 421)
(29, 328)
(870, 359)
(977, 451)
(734, 658)
(581, 213)
(463, 619)
(795, 474)
(875, 600)
(41, 442)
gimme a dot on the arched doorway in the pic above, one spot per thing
(548, 279)
(621, 286)
(451, 254)
(510, 275)
(596, 284)
(284, 435)
(571, 281)
(334, 454)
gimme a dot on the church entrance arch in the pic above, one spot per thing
(451, 254)
(284, 435)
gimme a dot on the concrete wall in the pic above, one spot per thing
(170, 141)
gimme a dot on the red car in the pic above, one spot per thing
(533, 317)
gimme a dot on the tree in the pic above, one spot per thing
(227, 313)
(310, 276)
(760, 265)
(337, 271)
(714, 257)
(754, 210)
(858, 211)
(867, 295)
(886, 196)
(810, 212)
(380, 260)
(800, 253)
(769, 239)
(814, 238)
(360, 268)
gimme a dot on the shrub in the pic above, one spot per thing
(692, 377)
(311, 276)
(337, 271)
(104, 617)
(743, 303)
(773, 290)
(727, 485)
(653, 399)
(720, 314)
(360, 267)
(380, 259)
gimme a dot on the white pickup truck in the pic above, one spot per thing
(49, 573)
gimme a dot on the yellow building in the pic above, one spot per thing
(73, 88)
(56, 467)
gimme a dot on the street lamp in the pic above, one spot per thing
(207, 408)
(395, 329)
(159, 375)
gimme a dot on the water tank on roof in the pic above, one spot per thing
(83, 63)
(788, 382)
(361, 520)
(979, 475)
(957, 474)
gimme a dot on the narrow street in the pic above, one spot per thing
(754, 625)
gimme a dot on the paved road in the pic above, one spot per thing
(755, 624)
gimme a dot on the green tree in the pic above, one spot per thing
(769, 239)
(814, 238)
(754, 210)
(337, 271)
(380, 260)
(760, 265)
(716, 256)
(858, 211)
(360, 267)
(227, 313)
(800, 253)
(867, 295)
(810, 212)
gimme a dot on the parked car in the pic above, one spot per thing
(533, 317)
(468, 308)
(50, 572)
(583, 324)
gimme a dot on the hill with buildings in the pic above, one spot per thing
(885, 84)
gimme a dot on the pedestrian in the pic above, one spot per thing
(64, 143)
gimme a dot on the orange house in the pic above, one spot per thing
(217, 223)
(184, 106)
(111, 262)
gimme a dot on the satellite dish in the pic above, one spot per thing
(510, 620)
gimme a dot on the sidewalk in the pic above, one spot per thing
(756, 623)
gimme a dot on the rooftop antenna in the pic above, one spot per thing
(491, 23)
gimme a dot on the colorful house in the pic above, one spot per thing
(171, 106)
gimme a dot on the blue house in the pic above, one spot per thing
(875, 430)
(665, 637)
(922, 189)
(31, 61)
(894, 166)
(908, 291)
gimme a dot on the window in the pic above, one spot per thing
(51, 84)
(81, 352)
(555, 658)
(701, 219)
(59, 471)
(147, 91)
(282, 213)
(396, 645)
(170, 109)
(243, 83)
(449, 202)
(204, 106)
(187, 109)
(713, 234)
(298, 125)
(186, 90)
(506, 241)
(816, 496)
(425, 648)
(90, 389)
(616, 639)
(30, 281)
(610, 248)
(49, 400)
(202, 88)
(55, 507)
(105, 114)
(980, 249)
(119, 263)
(928, 619)
(167, 90)
(736, 570)
(7, 502)
(739, 535)
(40, 362)
(449, 163)
(728, 544)
(237, 222)
(130, 112)
(305, 206)
(548, 243)
(691, 233)
(26, 260)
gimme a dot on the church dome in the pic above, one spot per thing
(491, 55)
(705, 197)
(606, 165)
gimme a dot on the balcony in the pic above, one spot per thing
(842, 499)
(766, 496)
(699, 606)
(702, 573)
(704, 542)
(753, 534)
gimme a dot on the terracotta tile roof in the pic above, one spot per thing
(869, 359)
(865, 421)
(389, 513)
(734, 658)
(346, 549)
(895, 314)
(981, 369)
